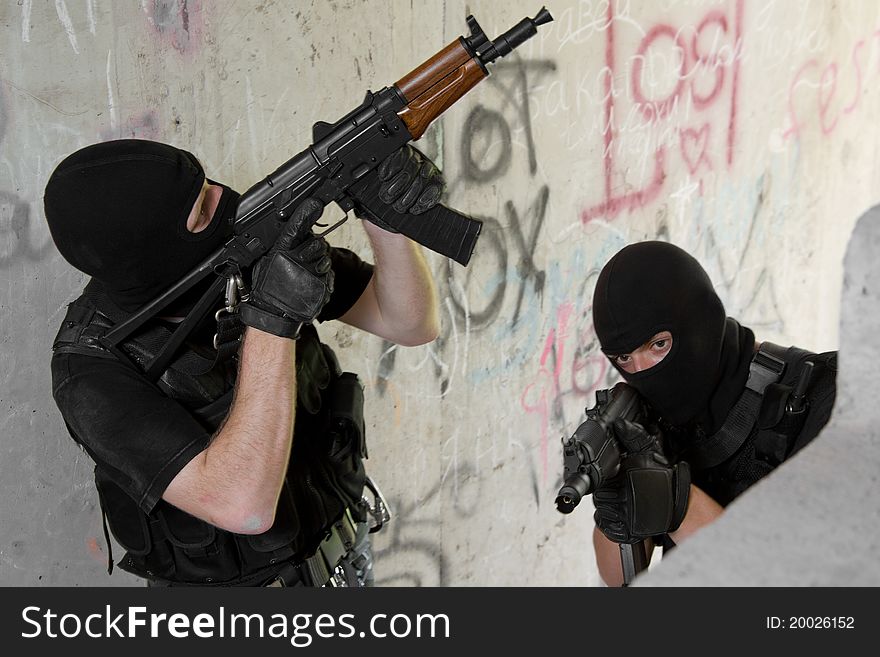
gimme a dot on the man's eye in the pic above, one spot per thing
(660, 344)
(623, 358)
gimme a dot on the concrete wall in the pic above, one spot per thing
(816, 521)
(743, 131)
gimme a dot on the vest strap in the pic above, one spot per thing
(766, 367)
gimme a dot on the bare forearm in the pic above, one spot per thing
(235, 482)
(608, 560)
(400, 303)
(701, 511)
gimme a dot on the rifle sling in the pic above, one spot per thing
(766, 367)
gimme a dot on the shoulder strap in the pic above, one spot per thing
(86, 324)
(767, 366)
(82, 330)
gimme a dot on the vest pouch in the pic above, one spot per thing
(183, 530)
(317, 501)
(345, 440)
(346, 419)
(313, 374)
(127, 522)
(771, 446)
(191, 550)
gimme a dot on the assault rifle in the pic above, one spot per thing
(341, 166)
(592, 456)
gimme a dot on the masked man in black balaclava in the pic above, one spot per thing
(198, 474)
(725, 409)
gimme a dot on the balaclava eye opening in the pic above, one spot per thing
(654, 286)
(117, 211)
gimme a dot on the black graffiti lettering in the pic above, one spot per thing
(491, 244)
(484, 128)
(526, 268)
(412, 546)
(409, 537)
(493, 240)
(516, 93)
(486, 154)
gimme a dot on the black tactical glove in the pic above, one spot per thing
(648, 497)
(293, 281)
(409, 183)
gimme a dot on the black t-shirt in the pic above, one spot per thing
(137, 434)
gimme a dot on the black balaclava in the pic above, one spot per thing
(117, 211)
(651, 287)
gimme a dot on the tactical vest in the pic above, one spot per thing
(324, 481)
(763, 429)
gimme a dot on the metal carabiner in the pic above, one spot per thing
(235, 294)
(235, 291)
(379, 509)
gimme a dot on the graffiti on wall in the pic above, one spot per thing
(678, 76)
(669, 130)
(652, 127)
(826, 93)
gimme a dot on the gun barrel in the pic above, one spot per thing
(592, 455)
(572, 491)
(515, 36)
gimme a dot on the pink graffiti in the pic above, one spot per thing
(652, 108)
(709, 61)
(795, 124)
(694, 64)
(587, 367)
(825, 106)
(614, 205)
(549, 391)
(588, 360)
(694, 146)
(731, 126)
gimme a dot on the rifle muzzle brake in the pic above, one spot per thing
(489, 51)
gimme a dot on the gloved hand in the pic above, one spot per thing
(293, 281)
(409, 183)
(648, 496)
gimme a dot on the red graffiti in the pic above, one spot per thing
(588, 371)
(701, 74)
(737, 40)
(823, 82)
(694, 144)
(829, 79)
(857, 94)
(652, 108)
(794, 123)
(614, 205)
(550, 392)
(709, 61)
